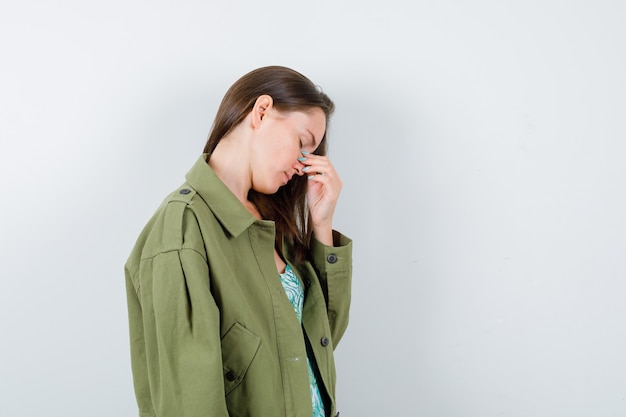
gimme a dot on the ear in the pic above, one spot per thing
(262, 106)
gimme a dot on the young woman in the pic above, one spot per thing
(238, 287)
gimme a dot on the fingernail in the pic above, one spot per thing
(305, 169)
(304, 152)
(310, 176)
(301, 159)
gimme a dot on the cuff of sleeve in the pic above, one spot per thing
(332, 258)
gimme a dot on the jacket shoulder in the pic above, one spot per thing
(171, 228)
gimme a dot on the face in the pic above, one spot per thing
(278, 143)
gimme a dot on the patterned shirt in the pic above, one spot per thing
(295, 294)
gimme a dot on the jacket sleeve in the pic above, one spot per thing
(175, 340)
(333, 265)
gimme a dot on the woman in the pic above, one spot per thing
(238, 287)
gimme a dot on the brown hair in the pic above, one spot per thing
(290, 91)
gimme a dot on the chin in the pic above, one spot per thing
(268, 190)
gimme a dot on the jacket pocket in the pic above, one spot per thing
(239, 347)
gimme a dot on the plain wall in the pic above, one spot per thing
(482, 149)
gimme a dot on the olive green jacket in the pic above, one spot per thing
(212, 333)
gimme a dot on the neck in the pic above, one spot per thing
(230, 162)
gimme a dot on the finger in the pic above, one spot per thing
(320, 177)
(317, 170)
(317, 165)
(321, 167)
(332, 184)
(314, 156)
(312, 159)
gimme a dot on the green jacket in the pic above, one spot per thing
(211, 330)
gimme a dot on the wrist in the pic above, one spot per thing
(323, 234)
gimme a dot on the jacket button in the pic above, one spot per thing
(332, 258)
(324, 341)
(185, 191)
(231, 375)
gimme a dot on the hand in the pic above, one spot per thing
(322, 195)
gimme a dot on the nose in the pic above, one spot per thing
(298, 167)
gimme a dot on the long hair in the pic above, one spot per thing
(290, 91)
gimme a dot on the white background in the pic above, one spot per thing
(482, 148)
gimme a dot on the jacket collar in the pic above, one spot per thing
(228, 210)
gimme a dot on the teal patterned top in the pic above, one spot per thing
(295, 294)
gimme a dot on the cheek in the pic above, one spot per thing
(288, 152)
